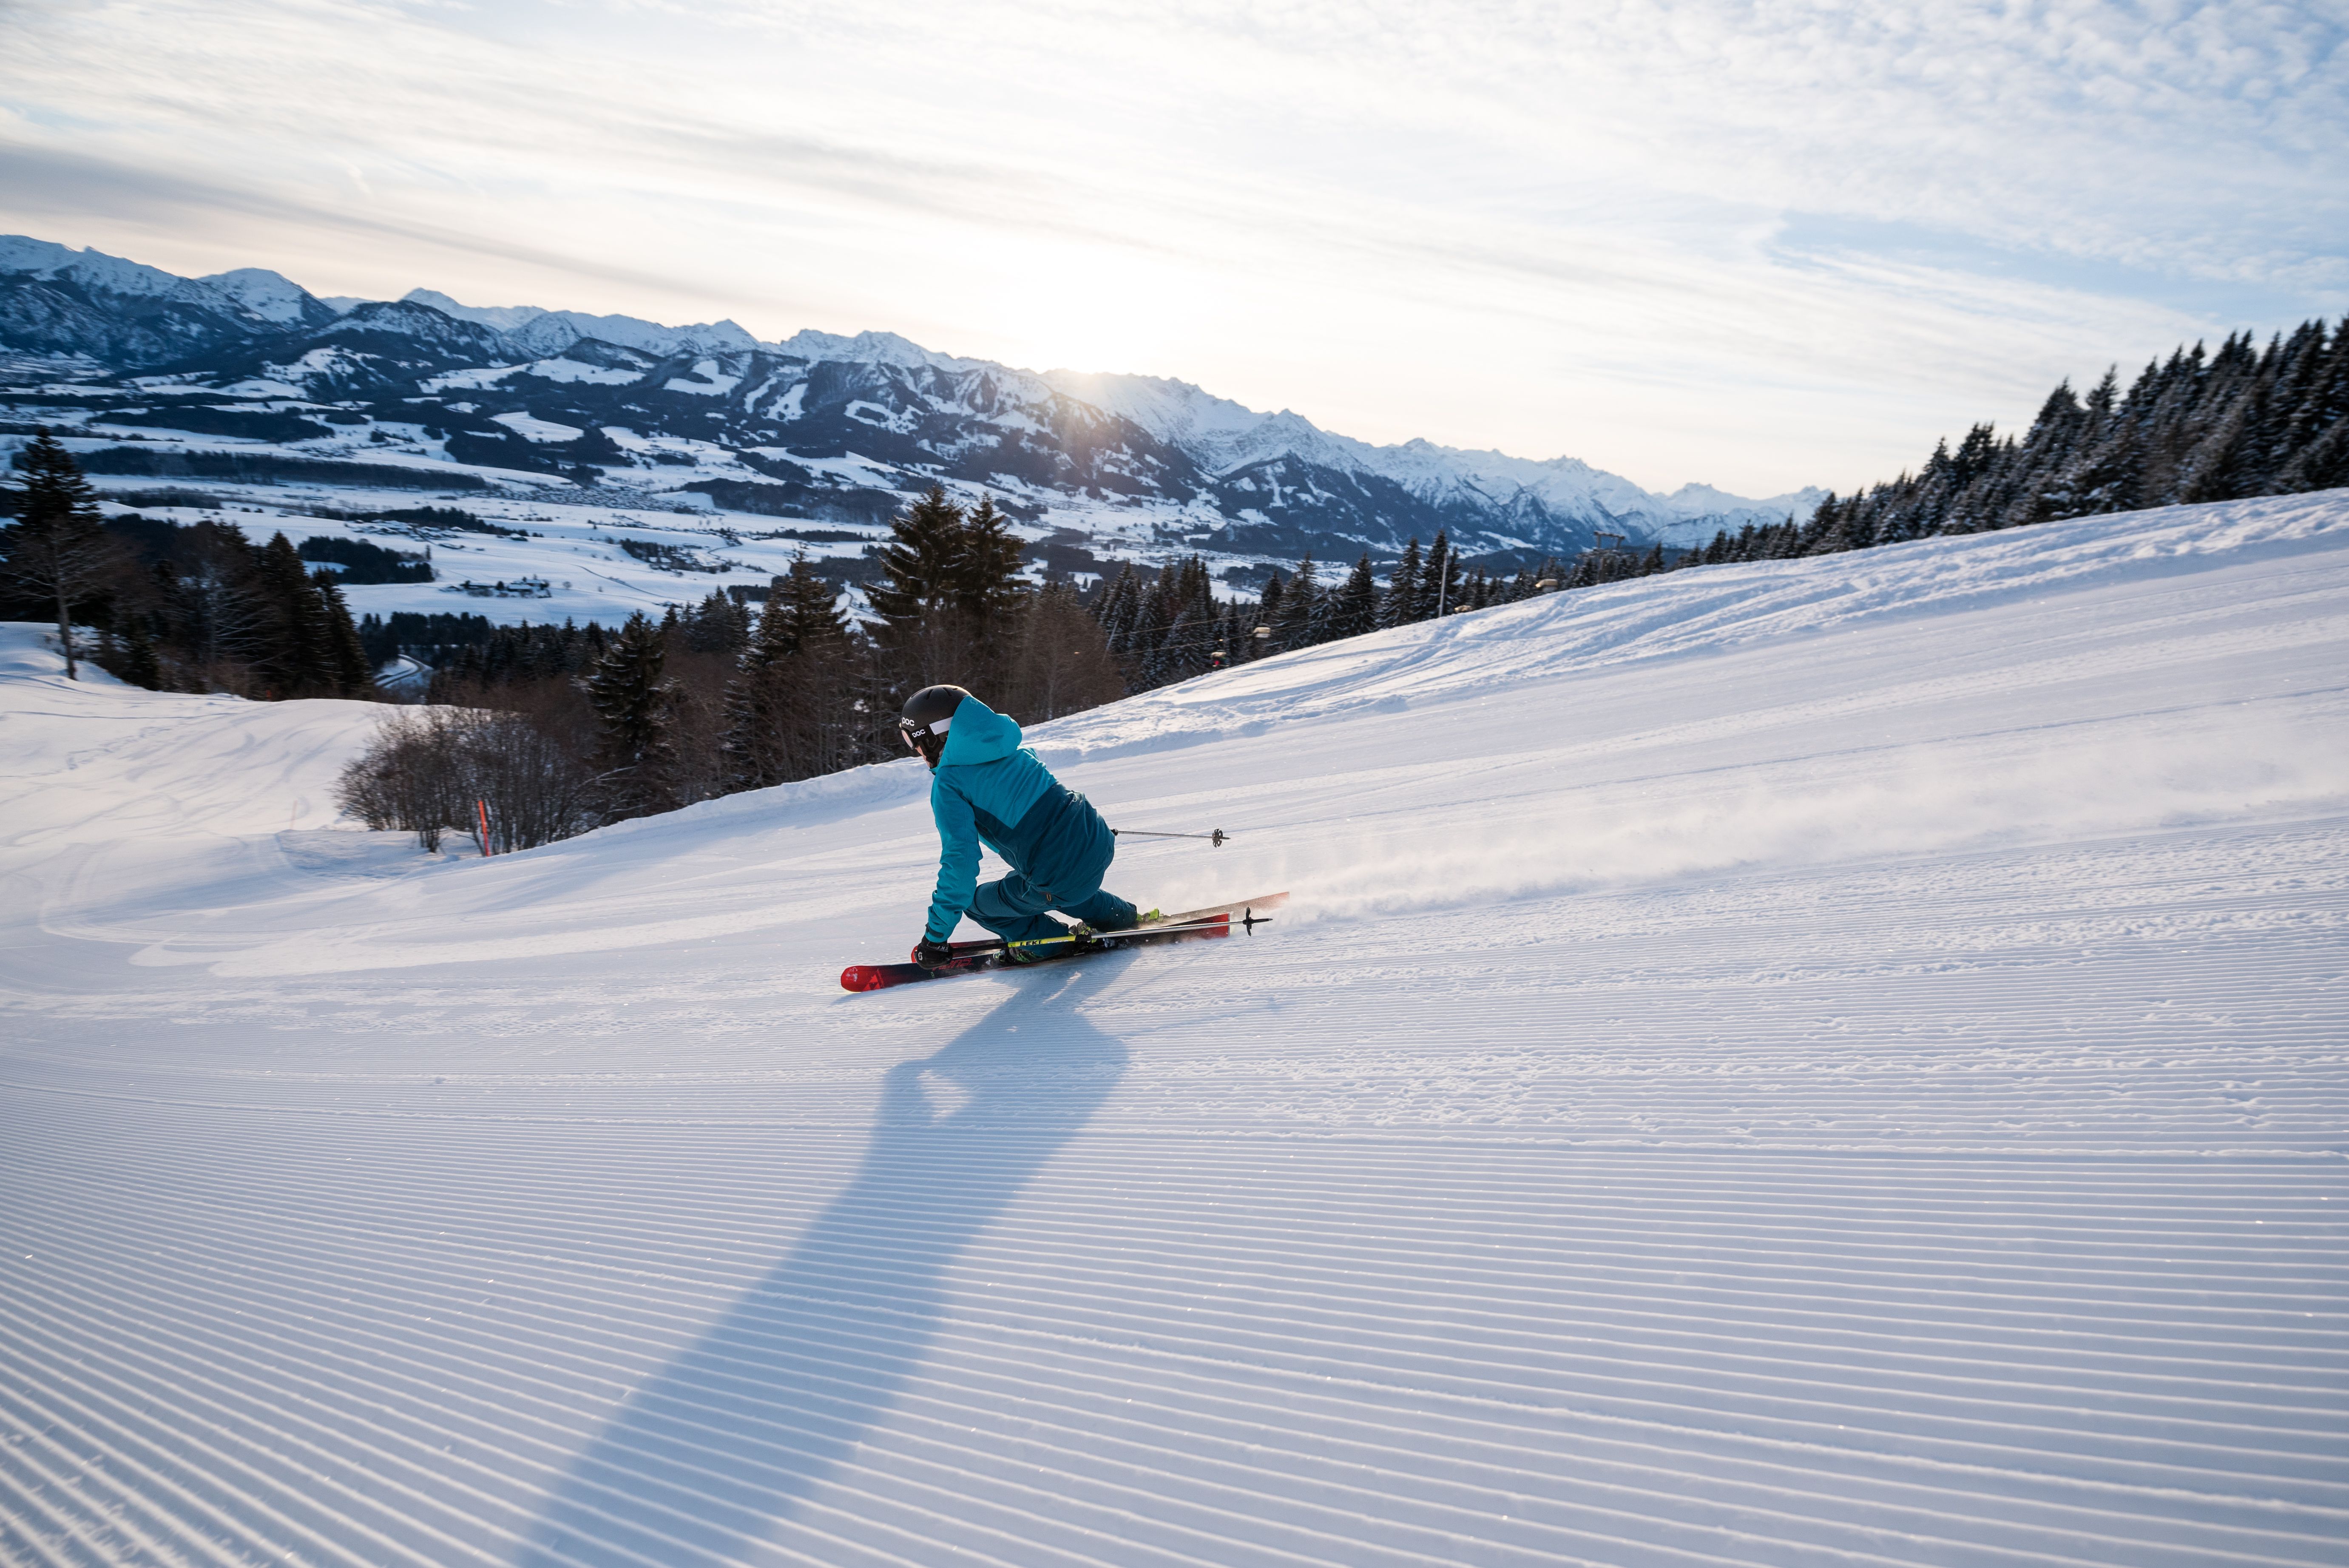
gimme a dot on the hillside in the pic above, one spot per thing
(1821, 1061)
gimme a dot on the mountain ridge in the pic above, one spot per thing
(1254, 482)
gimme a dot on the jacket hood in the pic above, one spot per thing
(978, 734)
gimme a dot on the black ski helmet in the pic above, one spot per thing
(925, 716)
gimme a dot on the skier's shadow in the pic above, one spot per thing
(724, 1442)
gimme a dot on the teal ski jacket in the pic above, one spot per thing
(991, 789)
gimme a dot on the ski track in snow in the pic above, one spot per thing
(1836, 1062)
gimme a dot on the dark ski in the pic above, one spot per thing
(973, 957)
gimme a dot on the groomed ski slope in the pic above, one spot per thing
(1831, 1062)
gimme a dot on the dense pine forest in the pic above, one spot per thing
(2244, 421)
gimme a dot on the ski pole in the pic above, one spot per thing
(1215, 838)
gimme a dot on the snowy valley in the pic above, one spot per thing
(1825, 1061)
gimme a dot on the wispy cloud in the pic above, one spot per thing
(1760, 243)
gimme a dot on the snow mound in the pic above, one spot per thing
(1825, 1062)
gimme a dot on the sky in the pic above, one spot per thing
(1759, 244)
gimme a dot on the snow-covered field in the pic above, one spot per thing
(572, 550)
(568, 540)
(1825, 1062)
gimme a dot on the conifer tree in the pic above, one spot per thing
(746, 753)
(1115, 608)
(1857, 530)
(2315, 454)
(215, 616)
(988, 578)
(788, 706)
(1299, 621)
(2053, 454)
(2110, 478)
(1231, 631)
(2321, 464)
(1269, 606)
(634, 704)
(812, 619)
(1401, 606)
(2225, 464)
(1199, 603)
(717, 625)
(927, 628)
(347, 668)
(2328, 393)
(1439, 583)
(55, 551)
(923, 562)
(1180, 654)
(294, 657)
(1239, 642)
(1354, 607)
(1153, 616)
(2299, 416)
(1188, 646)
(990, 594)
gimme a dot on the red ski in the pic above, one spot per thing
(972, 957)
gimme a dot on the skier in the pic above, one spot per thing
(989, 788)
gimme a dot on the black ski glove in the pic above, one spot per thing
(930, 954)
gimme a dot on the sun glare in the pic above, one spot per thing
(1053, 311)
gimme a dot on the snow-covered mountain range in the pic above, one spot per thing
(572, 397)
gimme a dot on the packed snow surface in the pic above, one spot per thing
(1816, 1062)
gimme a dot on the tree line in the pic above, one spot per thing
(1169, 625)
(714, 698)
(193, 608)
(2197, 427)
(595, 725)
